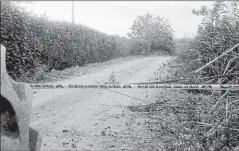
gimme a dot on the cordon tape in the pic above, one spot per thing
(140, 86)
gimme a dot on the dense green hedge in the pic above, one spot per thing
(33, 41)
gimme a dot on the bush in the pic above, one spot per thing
(218, 32)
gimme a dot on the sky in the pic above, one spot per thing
(116, 17)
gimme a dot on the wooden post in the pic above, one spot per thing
(73, 12)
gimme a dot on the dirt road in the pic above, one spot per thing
(93, 119)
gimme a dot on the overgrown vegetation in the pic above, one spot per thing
(216, 115)
(201, 120)
(218, 32)
(36, 45)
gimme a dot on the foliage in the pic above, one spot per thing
(127, 46)
(34, 41)
(206, 120)
(218, 32)
(154, 30)
(187, 58)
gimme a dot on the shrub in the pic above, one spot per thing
(218, 32)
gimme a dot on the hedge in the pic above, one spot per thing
(33, 41)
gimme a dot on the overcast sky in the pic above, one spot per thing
(116, 17)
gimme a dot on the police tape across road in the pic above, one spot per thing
(140, 86)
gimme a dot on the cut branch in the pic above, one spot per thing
(234, 47)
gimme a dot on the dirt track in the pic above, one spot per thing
(92, 119)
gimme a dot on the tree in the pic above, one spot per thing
(155, 30)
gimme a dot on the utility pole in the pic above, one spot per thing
(73, 12)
